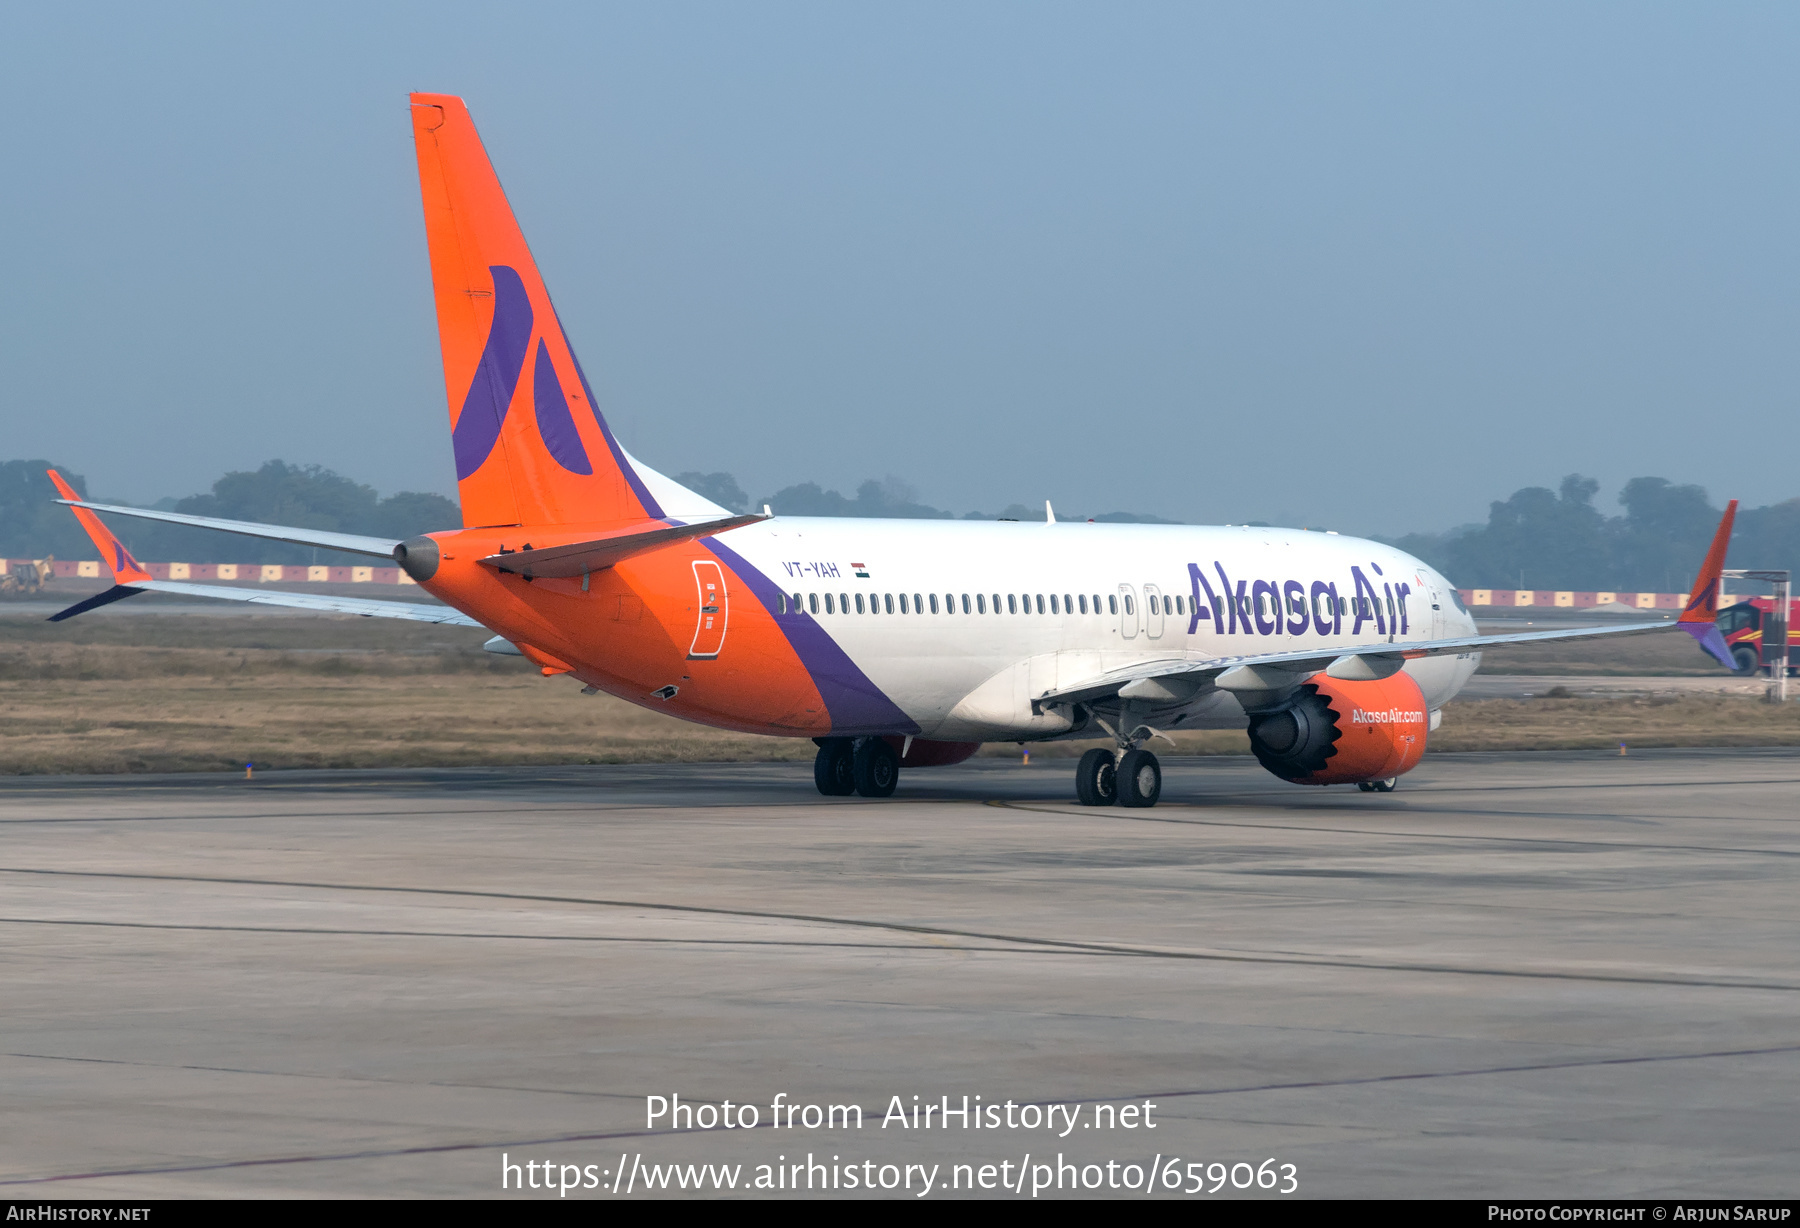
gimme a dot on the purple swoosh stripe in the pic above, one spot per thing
(854, 704)
(651, 506)
(496, 375)
(555, 426)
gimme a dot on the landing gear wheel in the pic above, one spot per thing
(832, 769)
(1096, 780)
(1745, 656)
(1140, 779)
(875, 768)
(1378, 786)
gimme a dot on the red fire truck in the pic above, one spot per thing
(1743, 625)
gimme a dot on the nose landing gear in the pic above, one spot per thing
(1378, 786)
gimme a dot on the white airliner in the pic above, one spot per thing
(891, 643)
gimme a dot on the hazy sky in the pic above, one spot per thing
(1362, 265)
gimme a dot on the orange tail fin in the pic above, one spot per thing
(531, 445)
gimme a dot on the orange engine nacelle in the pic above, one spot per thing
(1334, 732)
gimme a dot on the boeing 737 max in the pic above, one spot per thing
(891, 643)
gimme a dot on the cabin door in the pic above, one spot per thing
(1153, 611)
(1128, 614)
(709, 626)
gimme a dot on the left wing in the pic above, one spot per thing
(350, 543)
(130, 579)
(1175, 679)
(1273, 670)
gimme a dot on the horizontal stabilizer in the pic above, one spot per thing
(600, 553)
(350, 543)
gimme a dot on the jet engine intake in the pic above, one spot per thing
(1334, 731)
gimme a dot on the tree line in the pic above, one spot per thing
(1557, 539)
(1538, 538)
(890, 497)
(307, 496)
(33, 525)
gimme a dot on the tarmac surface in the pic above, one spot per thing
(1551, 975)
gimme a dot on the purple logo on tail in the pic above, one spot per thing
(496, 375)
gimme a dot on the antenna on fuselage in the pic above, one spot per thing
(1049, 513)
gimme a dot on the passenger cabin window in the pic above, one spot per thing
(980, 603)
(1129, 606)
(812, 602)
(1040, 603)
(934, 608)
(1112, 604)
(887, 602)
(1010, 607)
(996, 603)
(828, 608)
(965, 603)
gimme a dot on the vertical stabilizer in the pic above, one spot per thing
(531, 445)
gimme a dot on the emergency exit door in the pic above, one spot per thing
(709, 626)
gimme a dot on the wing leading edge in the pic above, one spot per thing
(350, 543)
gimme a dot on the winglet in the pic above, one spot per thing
(1699, 619)
(125, 569)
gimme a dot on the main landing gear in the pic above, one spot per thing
(1378, 786)
(1127, 776)
(868, 766)
(1104, 778)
